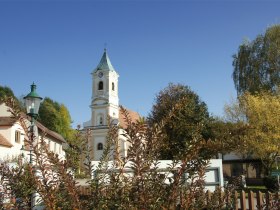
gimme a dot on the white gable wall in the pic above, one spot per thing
(7, 153)
(4, 110)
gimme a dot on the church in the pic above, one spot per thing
(104, 104)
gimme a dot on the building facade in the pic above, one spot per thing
(105, 108)
(236, 165)
(13, 136)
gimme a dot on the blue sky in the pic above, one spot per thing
(57, 44)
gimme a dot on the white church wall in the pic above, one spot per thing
(122, 147)
(98, 153)
(114, 112)
(213, 175)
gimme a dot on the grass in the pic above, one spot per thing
(256, 188)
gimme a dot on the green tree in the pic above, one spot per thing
(56, 117)
(227, 136)
(257, 63)
(6, 92)
(78, 152)
(189, 121)
(260, 116)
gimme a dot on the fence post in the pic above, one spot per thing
(251, 200)
(267, 200)
(243, 200)
(259, 199)
(221, 195)
(208, 197)
(236, 200)
(276, 197)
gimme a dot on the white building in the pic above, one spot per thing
(13, 136)
(104, 103)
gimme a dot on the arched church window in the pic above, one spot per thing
(100, 85)
(99, 146)
(113, 86)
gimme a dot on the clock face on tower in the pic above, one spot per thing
(100, 74)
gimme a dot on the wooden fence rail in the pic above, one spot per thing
(240, 200)
(257, 200)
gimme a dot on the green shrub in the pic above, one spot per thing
(271, 183)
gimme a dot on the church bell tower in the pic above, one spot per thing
(104, 102)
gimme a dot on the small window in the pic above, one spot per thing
(99, 146)
(100, 120)
(100, 85)
(54, 147)
(113, 86)
(17, 136)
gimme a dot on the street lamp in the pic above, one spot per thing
(32, 104)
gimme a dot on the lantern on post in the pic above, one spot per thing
(32, 102)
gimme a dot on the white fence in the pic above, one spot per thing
(213, 175)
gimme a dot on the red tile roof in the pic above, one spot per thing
(7, 121)
(45, 130)
(10, 121)
(134, 116)
(4, 142)
(50, 132)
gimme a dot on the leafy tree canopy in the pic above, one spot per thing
(6, 92)
(257, 63)
(260, 115)
(227, 136)
(189, 121)
(56, 117)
